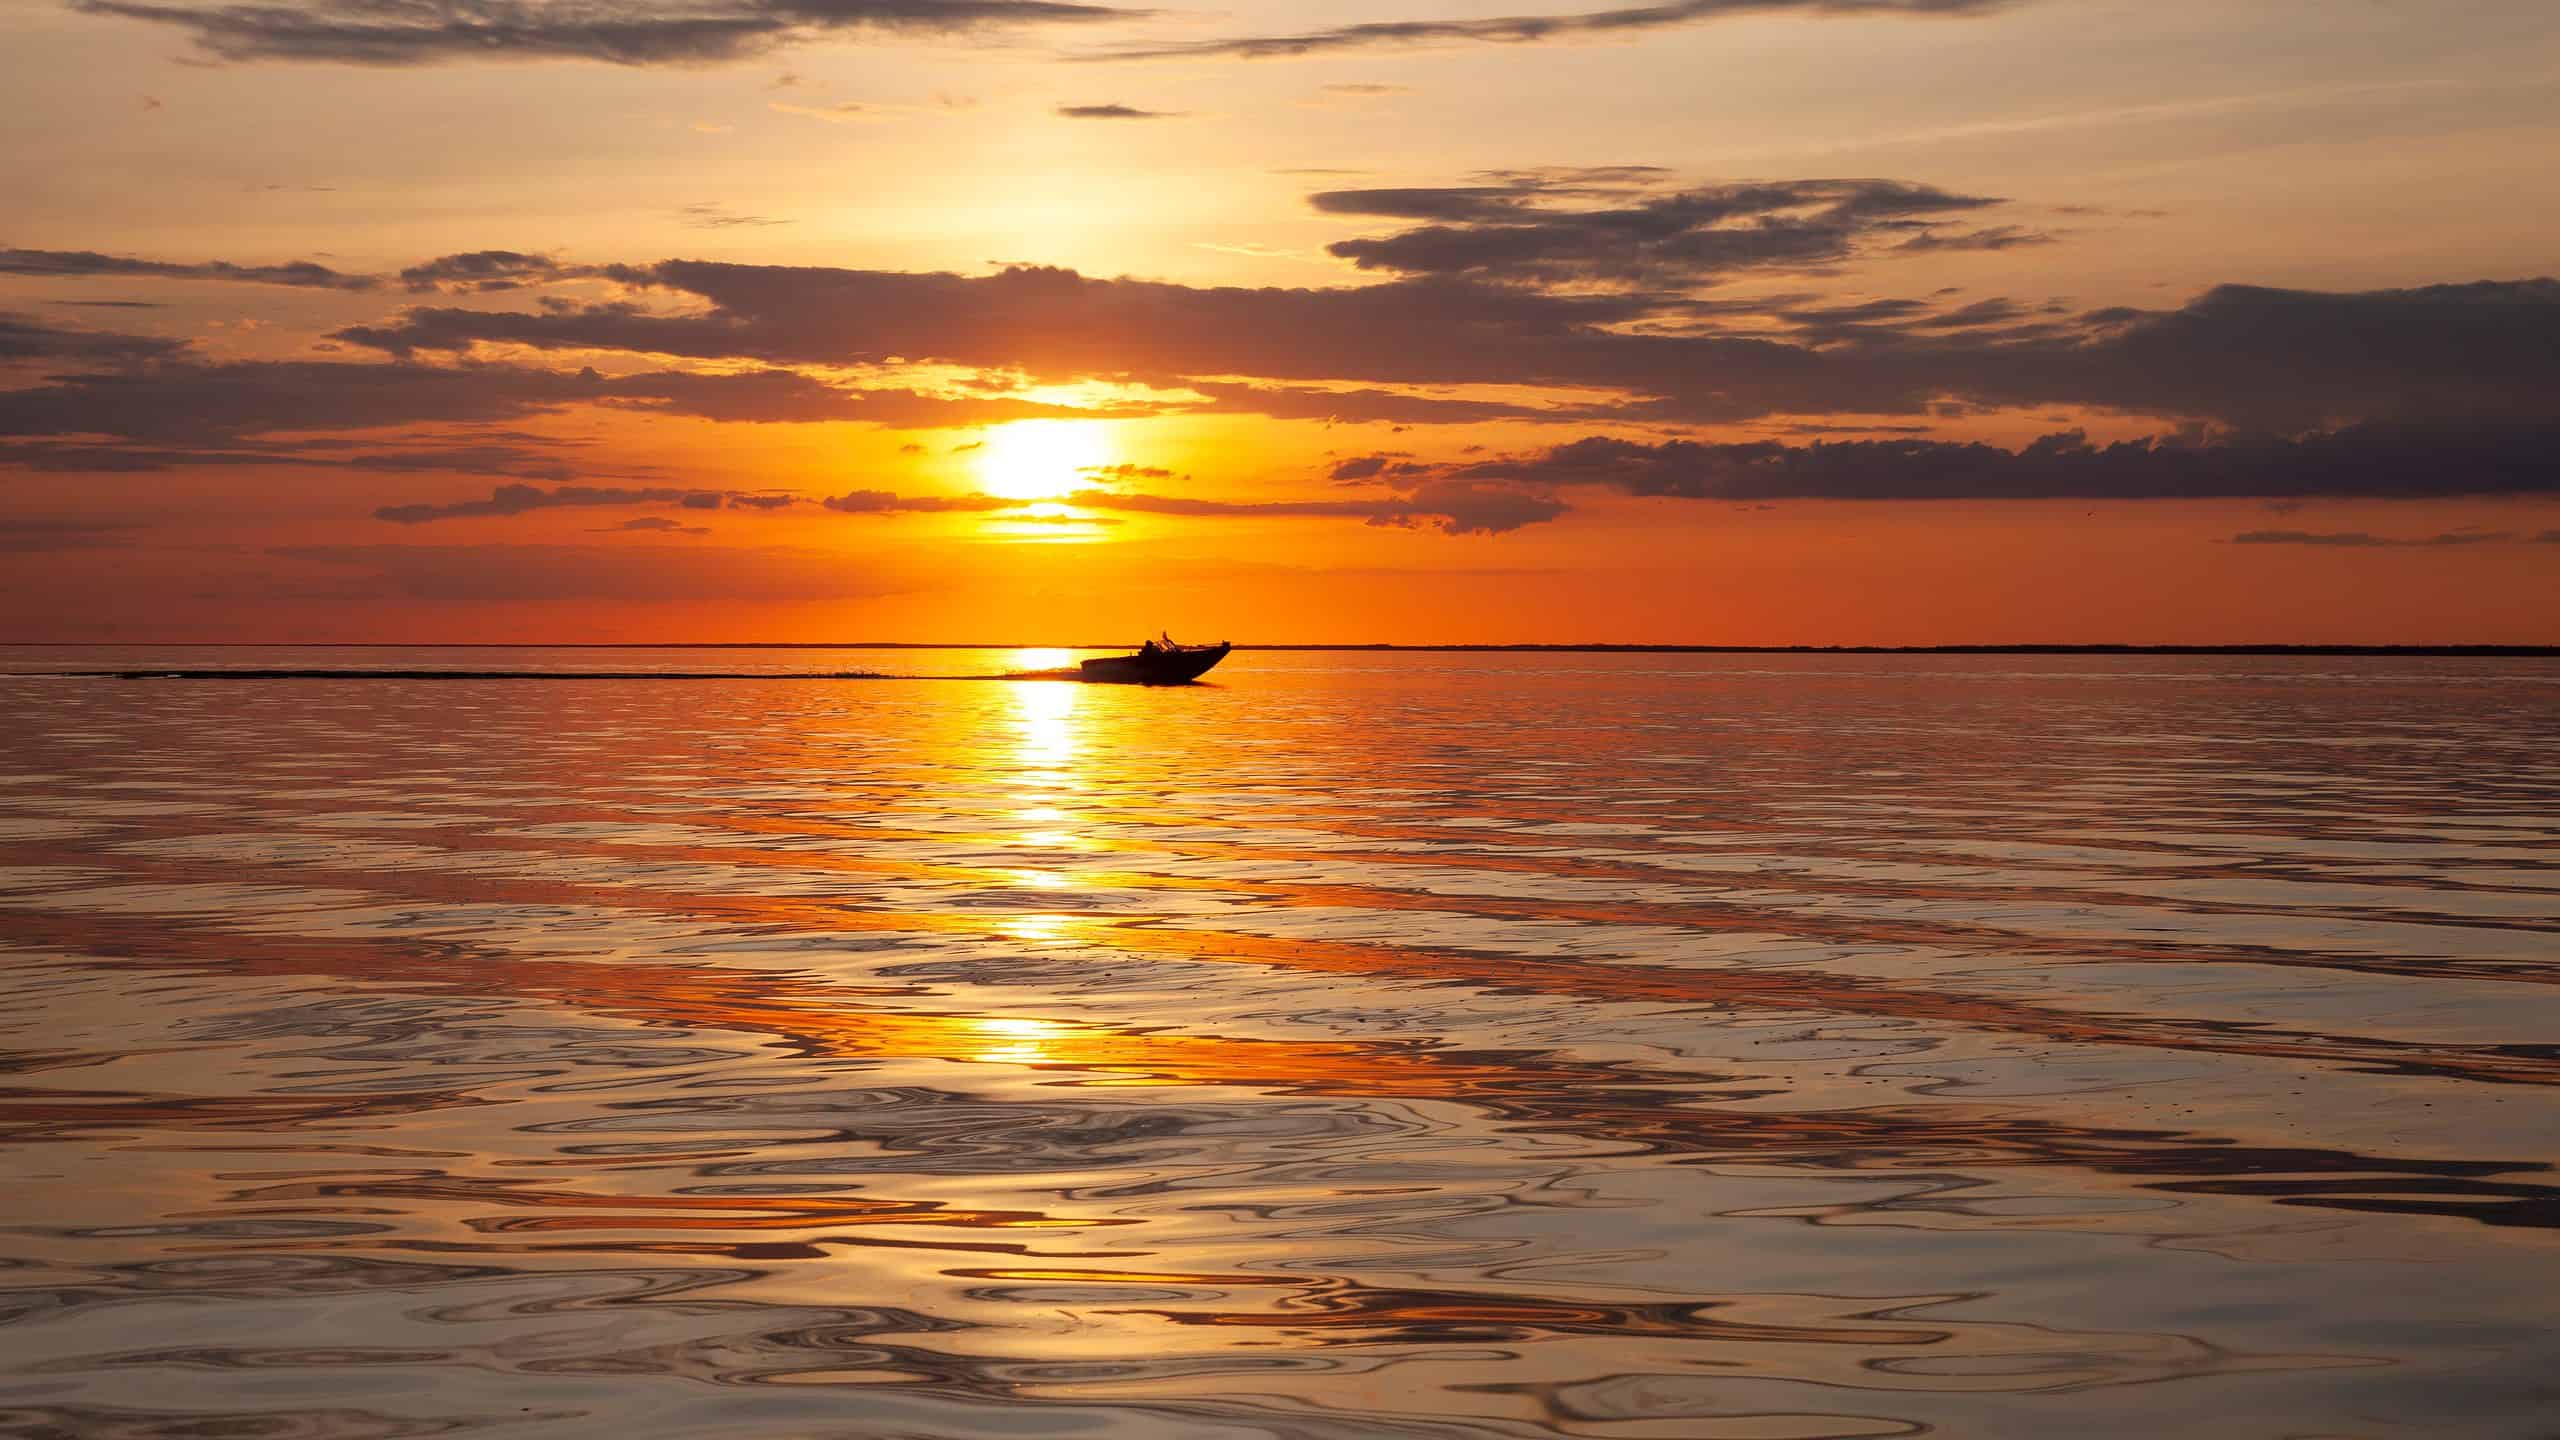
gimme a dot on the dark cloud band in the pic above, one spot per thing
(87, 264)
(2379, 460)
(2255, 358)
(1616, 228)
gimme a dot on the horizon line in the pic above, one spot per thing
(2451, 649)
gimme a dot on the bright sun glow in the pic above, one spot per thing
(1041, 459)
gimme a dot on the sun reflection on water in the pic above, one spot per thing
(1032, 658)
(1048, 740)
(1045, 716)
(1039, 929)
(1005, 1040)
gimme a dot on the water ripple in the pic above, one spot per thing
(1497, 1046)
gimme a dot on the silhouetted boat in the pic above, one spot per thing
(1156, 664)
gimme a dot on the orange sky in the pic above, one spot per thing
(1784, 322)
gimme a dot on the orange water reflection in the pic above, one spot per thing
(1357, 1056)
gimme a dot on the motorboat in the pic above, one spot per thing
(1158, 662)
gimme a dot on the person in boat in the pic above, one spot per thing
(1150, 650)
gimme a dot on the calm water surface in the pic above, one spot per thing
(1413, 1045)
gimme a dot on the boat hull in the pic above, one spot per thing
(1171, 667)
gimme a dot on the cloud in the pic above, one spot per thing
(509, 500)
(1369, 406)
(714, 217)
(1466, 508)
(778, 396)
(484, 272)
(485, 459)
(1997, 237)
(2250, 357)
(84, 264)
(1383, 465)
(747, 397)
(2246, 356)
(1115, 112)
(2289, 359)
(1066, 519)
(617, 32)
(180, 403)
(193, 403)
(1879, 324)
(1048, 321)
(883, 502)
(1453, 507)
(1198, 506)
(1526, 29)
(90, 457)
(657, 524)
(843, 114)
(1517, 231)
(24, 339)
(2357, 539)
(2380, 460)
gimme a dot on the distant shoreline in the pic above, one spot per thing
(2513, 652)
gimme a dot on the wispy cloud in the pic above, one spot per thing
(847, 113)
(86, 264)
(512, 500)
(1452, 507)
(616, 32)
(1116, 112)
(887, 502)
(493, 271)
(706, 216)
(1530, 29)
(652, 525)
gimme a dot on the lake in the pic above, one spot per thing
(1362, 1045)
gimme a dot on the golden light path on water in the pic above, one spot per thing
(1362, 1046)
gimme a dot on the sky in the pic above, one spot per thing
(1045, 321)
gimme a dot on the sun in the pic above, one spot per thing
(1041, 459)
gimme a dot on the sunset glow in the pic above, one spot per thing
(1900, 323)
(1041, 459)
